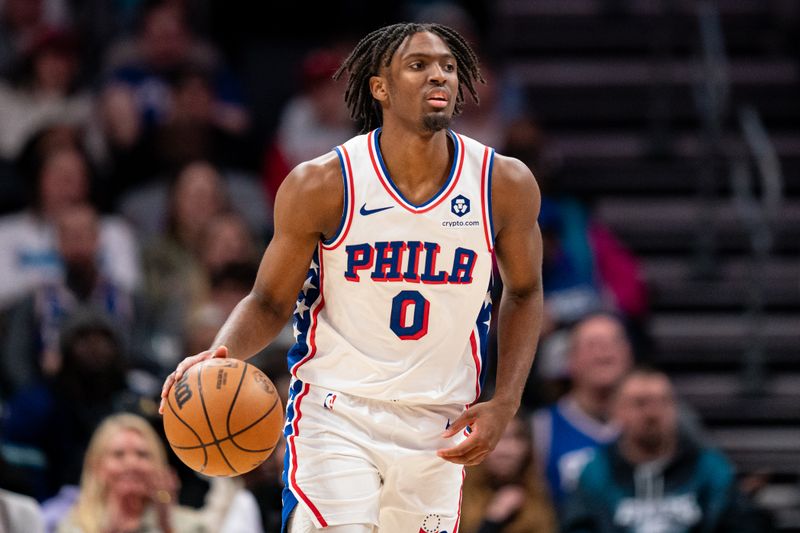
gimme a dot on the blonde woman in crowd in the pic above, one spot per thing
(126, 485)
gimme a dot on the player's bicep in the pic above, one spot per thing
(306, 208)
(518, 242)
(519, 256)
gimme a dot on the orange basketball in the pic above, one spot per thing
(223, 418)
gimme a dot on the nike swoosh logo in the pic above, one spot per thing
(448, 424)
(364, 211)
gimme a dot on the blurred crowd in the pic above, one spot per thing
(137, 172)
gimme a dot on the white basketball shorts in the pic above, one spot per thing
(352, 460)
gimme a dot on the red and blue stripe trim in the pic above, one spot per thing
(394, 192)
(347, 208)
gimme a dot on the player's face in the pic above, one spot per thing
(127, 466)
(421, 82)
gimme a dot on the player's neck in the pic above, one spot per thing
(418, 164)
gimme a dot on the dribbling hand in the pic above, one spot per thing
(183, 366)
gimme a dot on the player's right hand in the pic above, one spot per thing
(183, 366)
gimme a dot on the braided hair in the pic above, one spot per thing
(376, 50)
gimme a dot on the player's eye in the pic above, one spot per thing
(450, 67)
(416, 65)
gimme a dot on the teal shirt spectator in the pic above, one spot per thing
(692, 492)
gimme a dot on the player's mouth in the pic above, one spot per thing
(438, 99)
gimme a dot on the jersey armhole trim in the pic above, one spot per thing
(347, 208)
(486, 197)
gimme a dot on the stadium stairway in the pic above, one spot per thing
(614, 84)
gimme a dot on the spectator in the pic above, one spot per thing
(176, 280)
(190, 130)
(230, 283)
(126, 484)
(54, 417)
(585, 268)
(19, 513)
(13, 478)
(312, 122)
(43, 91)
(505, 494)
(226, 240)
(567, 432)
(32, 345)
(139, 95)
(21, 21)
(652, 478)
(30, 258)
(147, 207)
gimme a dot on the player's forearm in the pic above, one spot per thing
(253, 324)
(519, 323)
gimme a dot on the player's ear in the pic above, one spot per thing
(377, 86)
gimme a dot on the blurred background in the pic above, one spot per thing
(142, 143)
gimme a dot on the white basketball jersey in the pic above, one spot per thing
(396, 306)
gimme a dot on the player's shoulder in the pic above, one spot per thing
(511, 172)
(322, 174)
(515, 193)
(312, 195)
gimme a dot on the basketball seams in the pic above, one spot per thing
(259, 419)
(237, 433)
(231, 435)
(197, 435)
(233, 401)
(208, 421)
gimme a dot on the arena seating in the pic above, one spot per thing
(614, 85)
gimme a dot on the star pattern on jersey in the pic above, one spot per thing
(314, 266)
(301, 307)
(308, 284)
(487, 300)
(295, 330)
(289, 409)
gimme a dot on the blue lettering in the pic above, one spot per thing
(463, 265)
(387, 260)
(400, 261)
(412, 269)
(431, 251)
(359, 257)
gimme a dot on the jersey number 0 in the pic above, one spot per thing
(416, 326)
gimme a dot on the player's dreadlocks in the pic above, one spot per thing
(376, 50)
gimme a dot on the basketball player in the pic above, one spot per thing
(383, 252)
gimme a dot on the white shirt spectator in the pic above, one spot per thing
(30, 257)
(19, 513)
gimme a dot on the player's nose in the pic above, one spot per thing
(436, 74)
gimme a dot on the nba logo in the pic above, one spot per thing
(329, 399)
(459, 205)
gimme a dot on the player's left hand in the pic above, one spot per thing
(487, 421)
